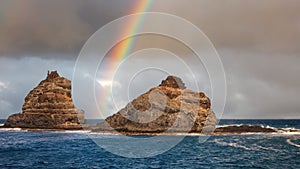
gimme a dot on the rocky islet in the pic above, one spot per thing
(169, 107)
(49, 106)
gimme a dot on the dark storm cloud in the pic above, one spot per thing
(35, 28)
(267, 26)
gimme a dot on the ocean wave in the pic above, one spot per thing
(261, 125)
(287, 133)
(253, 147)
(13, 129)
(290, 128)
(45, 130)
(238, 125)
(278, 131)
(75, 131)
(269, 127)
(227, 125)
(290, 142)
(232, 144)
(266, 148)
(104, 133)
(186, 134)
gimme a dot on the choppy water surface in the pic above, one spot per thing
(21, 149)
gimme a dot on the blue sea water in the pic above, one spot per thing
(25, 149)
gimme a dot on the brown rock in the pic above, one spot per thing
(174, 82)
(168, 107)
(243, 129)
(49, 106)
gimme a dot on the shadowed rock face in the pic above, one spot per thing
(168, 107)
(49, 106)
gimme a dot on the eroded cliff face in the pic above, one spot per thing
(166, 108)
(49, 106)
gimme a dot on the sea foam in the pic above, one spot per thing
(290, 142)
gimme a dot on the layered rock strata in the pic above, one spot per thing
(169, 107)
(49, 106)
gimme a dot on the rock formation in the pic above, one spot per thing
(243, 129)
(173, 82)
(166, 108)
(49, 106)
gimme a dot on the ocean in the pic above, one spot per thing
(75, 149)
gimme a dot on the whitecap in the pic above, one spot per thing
(104, 133)
(266, 148)
(228, 125)
(290, 128)
(269, 127)
(289, 141)
(78, 131)
(12, 129)
(231, 144)
(184, 134)
(289, 131)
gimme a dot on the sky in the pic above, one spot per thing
(257, 41)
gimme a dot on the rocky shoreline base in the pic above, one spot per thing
(227, 130)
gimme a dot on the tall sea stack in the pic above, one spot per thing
(169, 107)
(49, 106)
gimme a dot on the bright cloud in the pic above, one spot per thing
(109, 83)
(2, 86)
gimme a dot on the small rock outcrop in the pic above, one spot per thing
(243, 129)
(174, 82)
(49, 106)
(168, 107)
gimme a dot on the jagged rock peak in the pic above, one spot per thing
(52, 75)
(174, 82)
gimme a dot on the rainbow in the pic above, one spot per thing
(133, 26)
(120, 51)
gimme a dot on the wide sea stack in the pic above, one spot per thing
(169, 107)
(49, 106)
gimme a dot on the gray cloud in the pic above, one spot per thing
(64, 26)
(263, 26)
(36, 27)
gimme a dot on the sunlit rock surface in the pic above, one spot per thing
(49, 106)
(169, 107)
